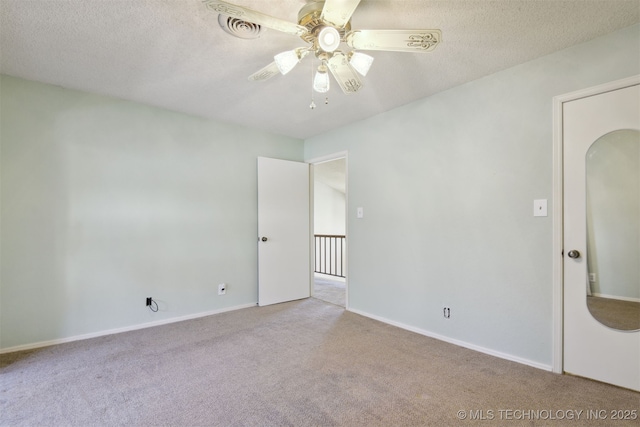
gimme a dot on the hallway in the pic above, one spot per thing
(330, 289)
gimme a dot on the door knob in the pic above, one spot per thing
(574, 254)
(264, 239)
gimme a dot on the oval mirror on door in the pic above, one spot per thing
(613, 229)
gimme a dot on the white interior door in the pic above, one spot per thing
(592, 349)
(284, 271)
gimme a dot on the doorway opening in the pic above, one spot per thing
(329, 229)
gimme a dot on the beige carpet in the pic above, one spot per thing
(329, 289)
(304, 363)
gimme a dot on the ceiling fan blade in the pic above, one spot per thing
(265, 73)
(255, 17)
(338, 12)
(394, 40)
(346, 76)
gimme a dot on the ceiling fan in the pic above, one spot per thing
(323, 25)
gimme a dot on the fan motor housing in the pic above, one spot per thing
(309, 17)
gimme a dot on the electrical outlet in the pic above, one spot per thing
(592, 277)
(222, 289)
(446, 312)
(149, 301)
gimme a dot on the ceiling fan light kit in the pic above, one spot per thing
(286, 61)
(361, 62)
(324, 25)
(321, 81)
(328, 39)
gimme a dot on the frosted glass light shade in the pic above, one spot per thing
(321, 81)
(285, 61)
(361, 62)
(329, 39)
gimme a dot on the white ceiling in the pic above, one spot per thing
(332, 173)
(173, 53)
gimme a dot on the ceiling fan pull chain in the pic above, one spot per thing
(313, 104)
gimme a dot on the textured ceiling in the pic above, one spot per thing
(173, 53)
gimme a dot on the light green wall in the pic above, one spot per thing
(106, 202)
(447, 184)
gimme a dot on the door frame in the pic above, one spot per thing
(314, 161)
(557, 212)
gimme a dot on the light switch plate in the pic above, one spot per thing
(360, 212)
(540, 207)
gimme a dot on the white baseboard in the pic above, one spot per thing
(455, 341)
(616, 297)
(120, 330)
